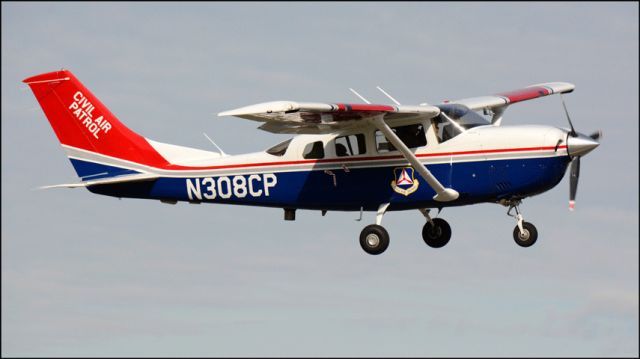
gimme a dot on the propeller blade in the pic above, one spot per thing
(596, 135)
(573, 131)
(575, 174)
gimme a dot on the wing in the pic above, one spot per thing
(314, 118)
(504, 99)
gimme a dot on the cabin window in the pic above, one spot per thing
(350, 145)
(411, 135)
(313, 150)
(280, 148)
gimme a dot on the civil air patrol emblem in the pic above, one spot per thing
(405, 182)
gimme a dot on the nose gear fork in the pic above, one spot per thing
(525, 234)
(518, 216)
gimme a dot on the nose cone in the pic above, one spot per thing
(580, 145)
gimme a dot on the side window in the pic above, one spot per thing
(411, 135)
(382, 144)
(313, 150)
(350, 145)
(445, 130)
(280, 148)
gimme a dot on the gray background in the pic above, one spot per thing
(93, 275)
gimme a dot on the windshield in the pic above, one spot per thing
(455, 119)
(280, 148)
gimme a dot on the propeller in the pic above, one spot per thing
(573, 131)
(596, 135)
(573, 182)
(578, 145)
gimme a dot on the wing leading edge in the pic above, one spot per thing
(511, 97)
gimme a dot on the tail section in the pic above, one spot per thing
(95, 140)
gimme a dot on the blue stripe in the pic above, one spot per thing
(482, 181)
(90, 170)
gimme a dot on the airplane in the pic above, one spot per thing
(341, 157)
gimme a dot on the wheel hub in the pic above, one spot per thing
(435, 232)
(524, 235)
(372, 240)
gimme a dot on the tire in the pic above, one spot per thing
(374, 239)
(438, 234)
(530, 237)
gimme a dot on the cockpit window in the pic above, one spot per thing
(411, 135)
(280, 148)
(455, 119)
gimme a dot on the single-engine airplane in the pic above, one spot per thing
(345, 157)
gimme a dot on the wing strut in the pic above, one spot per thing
(442, 194)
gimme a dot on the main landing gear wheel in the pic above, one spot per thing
(436, 233)
(374, 239)
(528, 236)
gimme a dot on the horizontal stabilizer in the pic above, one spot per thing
(120, 179)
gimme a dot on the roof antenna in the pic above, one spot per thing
(219, 149)
(389, 96)
(357, 94)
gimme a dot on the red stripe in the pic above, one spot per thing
(525, 94)
(360, 159)
(491, 151)
(365, 107)
(361, 107)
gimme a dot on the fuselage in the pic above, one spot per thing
(484, 164)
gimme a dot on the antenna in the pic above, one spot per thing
(389, 96)
(357, 94)
(210, 140)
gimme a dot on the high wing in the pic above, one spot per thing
(315, 118)
(499, 102)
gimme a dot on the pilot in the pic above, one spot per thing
(341, 150)
(411, 135)
(317, 151)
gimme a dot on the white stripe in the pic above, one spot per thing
(97, 174)
(37, 82)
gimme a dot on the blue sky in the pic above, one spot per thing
(87, 275)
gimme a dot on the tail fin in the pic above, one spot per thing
(89, 132)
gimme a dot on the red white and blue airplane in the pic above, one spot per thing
(344, 157)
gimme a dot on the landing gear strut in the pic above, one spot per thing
(525, 234)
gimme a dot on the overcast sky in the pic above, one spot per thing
(88, 275)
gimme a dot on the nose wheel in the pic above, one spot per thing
(525, 234)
